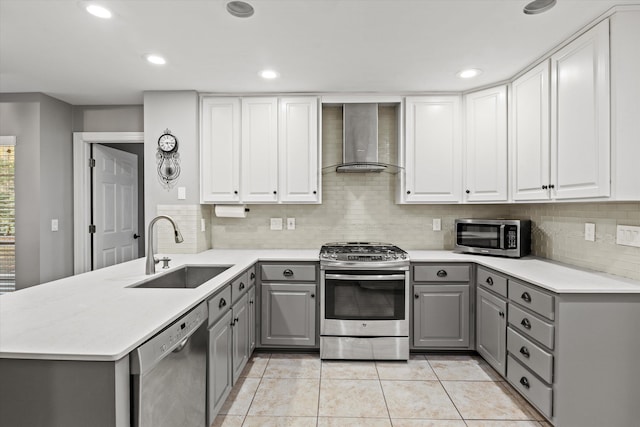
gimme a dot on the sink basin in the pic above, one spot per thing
(187, 277)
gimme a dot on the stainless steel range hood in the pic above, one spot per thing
(360, 139)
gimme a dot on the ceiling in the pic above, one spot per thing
(405, 46)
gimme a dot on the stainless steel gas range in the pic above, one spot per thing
(364, 301)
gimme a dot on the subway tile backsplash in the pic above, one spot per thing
(362, 207)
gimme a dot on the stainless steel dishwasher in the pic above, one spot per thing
(169, 374)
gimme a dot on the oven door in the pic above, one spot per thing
(371, 303)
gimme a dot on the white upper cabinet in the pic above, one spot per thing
(220, 150)
(580, 134)
(298, 145)
(433, 155)
(485, 154)
(259, 149)
(530, 135)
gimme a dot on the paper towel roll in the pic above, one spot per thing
(231, 211)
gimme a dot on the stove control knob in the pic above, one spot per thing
(395, 256)
(403, 256)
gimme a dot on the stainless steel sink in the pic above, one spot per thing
(187, 277)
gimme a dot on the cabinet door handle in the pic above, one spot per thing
(287, 273)
(275, 192)
(408, 192)
(222, 303)
(525, 382)
(525, 322)
(236, 320)
(467, 191)
(552, 186)
(235, 192)
(313, 295)
(241, 287)
(489, 281)
(501, 314)
(525, 352)
(544, 187)
(315, 192)
(441, 273)
(250, 301)
(526, 297)
(416, 296)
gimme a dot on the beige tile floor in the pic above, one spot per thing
(291, 390)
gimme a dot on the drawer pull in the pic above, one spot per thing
(501, 314)
(526, 297)
(525, 382)
(489, 281)
(441, 273)
(222, 303)
(241, 287)
(287, 273)
(525, 352)
(525, 322)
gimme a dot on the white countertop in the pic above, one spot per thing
(98, 316)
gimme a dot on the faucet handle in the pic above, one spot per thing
(165, 262)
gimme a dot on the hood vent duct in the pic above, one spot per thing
(360, 139)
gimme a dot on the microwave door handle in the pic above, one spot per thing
(502, 236)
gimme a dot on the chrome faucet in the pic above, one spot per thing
(151, 259)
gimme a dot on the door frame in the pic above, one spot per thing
(82, 189)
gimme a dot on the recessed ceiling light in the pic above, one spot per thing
(467, 74)
(538, 6)
(268, 74)
(98, 11)
(155, 59)
(240, 9)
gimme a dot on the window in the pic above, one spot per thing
(7, 215)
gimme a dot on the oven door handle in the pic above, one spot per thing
(365, 276)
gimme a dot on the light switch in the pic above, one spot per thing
(437, 224)
(54, 225)
(203, 225)
(276, 223)
(291, 223)
(628, 235)
(590, 231)
(182, 193)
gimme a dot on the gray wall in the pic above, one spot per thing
(177, 111)
(108, 118)
(44, 185)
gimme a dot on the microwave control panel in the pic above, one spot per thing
(511, 237)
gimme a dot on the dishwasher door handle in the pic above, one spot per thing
(182, 345)
(365, 276)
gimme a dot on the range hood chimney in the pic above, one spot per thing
(360, 139)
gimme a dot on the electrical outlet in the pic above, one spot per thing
(628, 235)
(590, 231)
(54, 225)
(276, 223)
(437, 224)
(291, 223)
(182, 193)
(203, 225)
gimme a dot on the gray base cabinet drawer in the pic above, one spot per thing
(239, 286)
(441, 273)
(219, 305)
(530, 355)
(531, 298)
(529, 386)
(531, 326)
(297, 273)
(493, 281)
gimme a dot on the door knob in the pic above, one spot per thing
(136, 236)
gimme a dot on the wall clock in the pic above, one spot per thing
(168, 159)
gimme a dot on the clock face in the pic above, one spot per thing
(167, 142)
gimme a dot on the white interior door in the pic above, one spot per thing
(115, 206)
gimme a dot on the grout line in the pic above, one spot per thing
(384, 396)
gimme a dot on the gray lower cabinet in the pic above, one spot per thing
(441, 316)
(240, 330)
(288, 314)
(220, 379)
(491, 329)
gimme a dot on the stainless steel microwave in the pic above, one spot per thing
(502, 237)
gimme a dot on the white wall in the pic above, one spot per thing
(108, 118)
